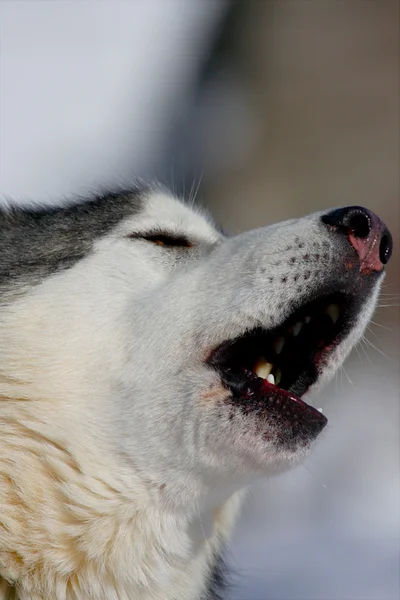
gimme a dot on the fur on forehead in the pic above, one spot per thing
(38, 241)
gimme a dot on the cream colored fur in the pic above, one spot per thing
(74, 523)
(120, 475)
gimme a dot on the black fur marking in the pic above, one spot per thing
(38, 242)
(217, 583)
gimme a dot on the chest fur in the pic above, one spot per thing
(72, 535)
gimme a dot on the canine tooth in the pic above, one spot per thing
(263, 368)
(279, 344)
(320, 410)
(333, 312)
(297, 328)
(271, 379)
(278, 376)
(307, 319)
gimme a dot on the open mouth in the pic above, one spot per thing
(276, 367)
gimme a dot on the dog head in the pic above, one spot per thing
(133, 331)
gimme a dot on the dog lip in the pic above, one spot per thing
(292, 405)
(259, 395)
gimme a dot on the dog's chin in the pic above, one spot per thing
(274, 434)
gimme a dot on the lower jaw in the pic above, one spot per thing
(290, 414)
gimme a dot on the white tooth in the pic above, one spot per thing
(297, 328)
(278, 376)
(271, 379)
(263, 368)
(333, 312)
(279, 344)
(307, 319)
(320, 410)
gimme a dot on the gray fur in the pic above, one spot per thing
(37, 242)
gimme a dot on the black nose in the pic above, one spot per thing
(365, 231)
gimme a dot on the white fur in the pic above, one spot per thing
(120, 474)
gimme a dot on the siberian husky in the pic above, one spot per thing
(151, 368)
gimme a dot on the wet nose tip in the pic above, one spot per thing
(365, 231)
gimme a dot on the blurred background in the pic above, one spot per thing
(265, 110)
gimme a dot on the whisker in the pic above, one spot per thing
(359, 355)
(377, 349)
(315, 476)
(369, 328)
(388, 305)
(382, 326)
(365, 352)
(190, 199)
(345, 372)
(341, 370)
(173, 176)
(199, 184)
(390, 296)
(336, 380)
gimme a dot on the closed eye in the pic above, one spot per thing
(164, 239)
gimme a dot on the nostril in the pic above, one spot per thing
(385, 248)
(359, 224)
(350, 219)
